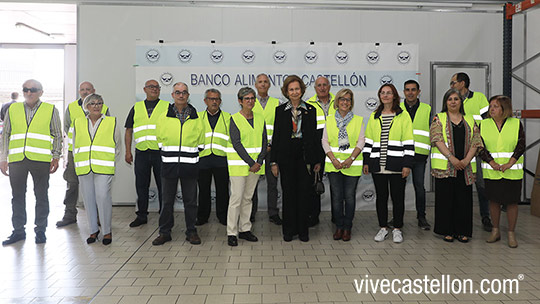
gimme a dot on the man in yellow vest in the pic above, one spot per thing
(267, 106)
(420, 115)
(32, 143)
(141, 126)
(213, 159)
(73, 111)
(477, 105)
(323, 101)
(180, 136)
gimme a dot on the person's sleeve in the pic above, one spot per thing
(368, 141)
(361, 138)
(129, 119)
(484, 154)
(201, 135)
(483, 106)
(56, 133)
(262, 155)
(6, 133)
(276, 137)
(476, 141)
(408, 142)
(435, 131)
(324, 141)
(237, 144)
(67, 121)
(520, 147)
(117, 140)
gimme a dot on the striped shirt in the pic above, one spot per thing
(385, 130)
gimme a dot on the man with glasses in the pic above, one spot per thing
(73, 111)
(32, 144)
(477, 105)
(141, 125)
(180, 136)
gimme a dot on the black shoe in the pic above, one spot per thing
(65, 222)
(232, 240)
(287, 238)
(276, 219)
(486, 222)
(304, 238)
(193, 239)
(137, 222)
(390, 223)
(313, 222)
(107, 239)
(40, 237)
(200, 222)
(92, 238)
(14, 238)
(162, 239)
(248, 236)
(423, 224)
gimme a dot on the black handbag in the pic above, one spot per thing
(318, 184)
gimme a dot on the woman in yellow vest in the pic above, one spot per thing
(343, 140)
(245, 156)
(96, 144)
(504, 141)
(454, 139)
(389, 155)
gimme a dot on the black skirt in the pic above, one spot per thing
(503, 191)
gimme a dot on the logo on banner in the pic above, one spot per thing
(184, 56)
(216, 56)
(310, 57)
(152, 195)
(372, 57)
(248, 56)
(386, 79)
(178, 196)
(404, 57)
(166, 78)
(368, 195)
(372, 104)
(342, 57)
(280, 56)
(152, 55)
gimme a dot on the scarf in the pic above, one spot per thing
(343, 137)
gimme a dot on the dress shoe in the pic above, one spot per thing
(40, 237)
(486, 223)
(200, 222)
(338, 234)
(276, 219)
(193, 238)
(14, 238)
(65, 222)
(232, 241)
(495, 236)
(107, 239)
(512, 242)
(162, 239)
(137, 222)
(248, 236)
(92, 238)
(423, 224)
(304, 238)
(287, 238)
(346, 235)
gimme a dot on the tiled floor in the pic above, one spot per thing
(132, 271)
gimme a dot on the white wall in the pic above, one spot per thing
(107, 37)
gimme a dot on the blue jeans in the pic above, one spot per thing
(343, 190)
(418, 172)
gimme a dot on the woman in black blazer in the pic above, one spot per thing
(295, 149)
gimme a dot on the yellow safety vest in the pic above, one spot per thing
(422, 144)
(76, 111)
(144, 127)
(180, 143)
(476, 106)
(353, 131)
(321, 117)
(269, 113)
(33, 140)
(94, 155)
(501, 145)
(438, 160)
(251, 138)
(215, 140)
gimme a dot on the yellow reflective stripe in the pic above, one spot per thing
(422, 146)
(396, 143)
(409, 152)
(321, 118)
(408, 142)
(354, 163)
(369, 141)
(103, 149)
(214, 146)
(375, 155)
(236, 163)
(484, 110)
(395, 153)
(421, 133)
(377, 144)
(145, 138)
(17, 136)
(248, 150)
(176, 159)
(83, 163)
(347, 151)
(320, 126)
(82, 149)
(38, 150)
(502, 154)
(367, 150)
(179, 149)
(438, 156)
(216, 134)
(514, 167)
(16, 150)
(144, 127)
(39, 136)
(269, 127)
(104, 163)
(477, 117)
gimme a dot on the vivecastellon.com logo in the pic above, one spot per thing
(445, 284)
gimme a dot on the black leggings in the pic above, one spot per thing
(397, 192)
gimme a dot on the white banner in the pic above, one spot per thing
(361, 67)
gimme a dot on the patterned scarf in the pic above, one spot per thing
(342, 122)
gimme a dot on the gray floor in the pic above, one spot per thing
(132, 271)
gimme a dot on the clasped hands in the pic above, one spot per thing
(498, 167)
(457, 163)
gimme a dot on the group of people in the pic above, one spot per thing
(297, 141)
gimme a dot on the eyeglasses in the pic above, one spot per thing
(155, 87)
(213, 99)
(387, 93)
(95, 104)
(31, 90)
(453, 83)
(344, 99)
(181, 93)
(249, 98)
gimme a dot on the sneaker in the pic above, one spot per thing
(40, 237)
(397, 236)
(14, 238)
(381, 235)
(137, 222)
(423, 224)
(486, 223)
(162, 239)
(248, 236)
(276, 219)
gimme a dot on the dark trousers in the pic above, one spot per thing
(221, 180)
(146, 162)
(481, 190)
(453, 206)
(315, 201)
(296, 186)
(418, 173)
(397, 192)
(18, 175)
(343, 194)
(72, 190)
(271, 191)
(189, 197)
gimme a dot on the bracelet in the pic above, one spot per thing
(448, 156)
(353, 158)
(273, 163)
